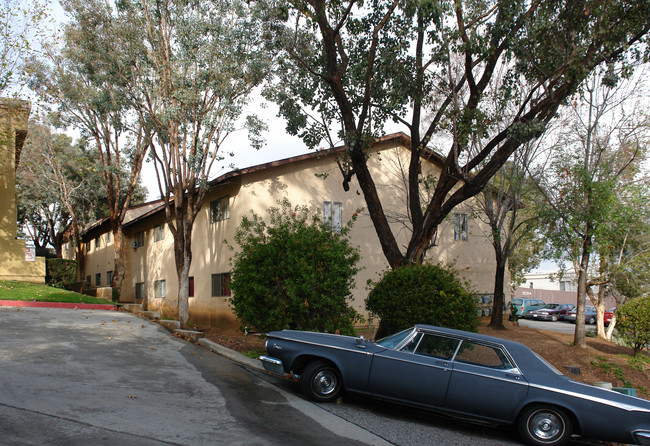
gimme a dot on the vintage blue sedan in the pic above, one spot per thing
(463, 374)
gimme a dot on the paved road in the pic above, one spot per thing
(561, 326)
(77, 377)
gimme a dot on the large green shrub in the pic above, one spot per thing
(60, 273)
(422, 294)
(633, 323)
(293, 272)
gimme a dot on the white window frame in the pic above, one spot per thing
(333, 215)
(461, 226)
(159, 232)
(159, 289)
(220, 209)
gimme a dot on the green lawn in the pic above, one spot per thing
(10, 290)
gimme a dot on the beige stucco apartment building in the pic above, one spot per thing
(15, 262)
(313, 180)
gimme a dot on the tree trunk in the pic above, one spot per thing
(580, 339)
(496, 320)
(118, 264)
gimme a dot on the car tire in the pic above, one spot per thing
(321, 381)
(591, 321)
(542, 425)
(554, 318)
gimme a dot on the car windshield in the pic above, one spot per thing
(394, 340)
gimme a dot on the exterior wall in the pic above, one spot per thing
(552, 281)
(99, 260)
(307, 182)
(13, 129)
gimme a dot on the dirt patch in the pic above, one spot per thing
(600, 361)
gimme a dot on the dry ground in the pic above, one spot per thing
(600, 361)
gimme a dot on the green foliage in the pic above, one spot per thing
(293, 272)
(422, 294)
(633, 323)
(60, 273)
(10, 290)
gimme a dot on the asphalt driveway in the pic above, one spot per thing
(104, 377)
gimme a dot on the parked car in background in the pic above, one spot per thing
(521, 306)
(590, 315)
(550, 312)
(462, 374)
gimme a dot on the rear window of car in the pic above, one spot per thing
(517, 301)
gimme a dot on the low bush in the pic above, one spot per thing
(422, 294)
(293, 273)
(633, 323)
(60, 273)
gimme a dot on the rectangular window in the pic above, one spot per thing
(220, 285)
(460, 226)
(159, 289)
(88, 282)
(159, 232)
(139, 239)
(87, 246)
(483, 355)
(139, 290)
(220, 209)
(98, 242)
(191, 293)
(109, 237)
(333, 215)
(109, 277)
(98, 279)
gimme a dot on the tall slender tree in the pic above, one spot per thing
(588, 183)
(186, 69)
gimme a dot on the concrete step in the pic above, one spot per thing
(153, 315)
(190, 335)
(171, 325)
(133, 308)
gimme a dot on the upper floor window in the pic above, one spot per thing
(159, 232)
(139, 239)
(109, 237)
(460, 226)
(220, 209)
(98, 242)
(87, 246)
(333, 215)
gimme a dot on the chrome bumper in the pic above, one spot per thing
(273, 365)
(642, 437)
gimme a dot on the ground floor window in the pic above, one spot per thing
(139, 290)
(159, 289)
(98, 279)
(109, 277)
(220, 285)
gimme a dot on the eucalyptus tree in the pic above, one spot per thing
(52, 187)
(80, 86)
(350, 67)
(186, 69)
(592, 184)
(21, 29)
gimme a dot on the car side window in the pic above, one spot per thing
(412, 344)
(437, 346)
(483, 355)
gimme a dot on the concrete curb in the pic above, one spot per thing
(230, 354)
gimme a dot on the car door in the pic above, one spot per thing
(485, 382)
(418, 373)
